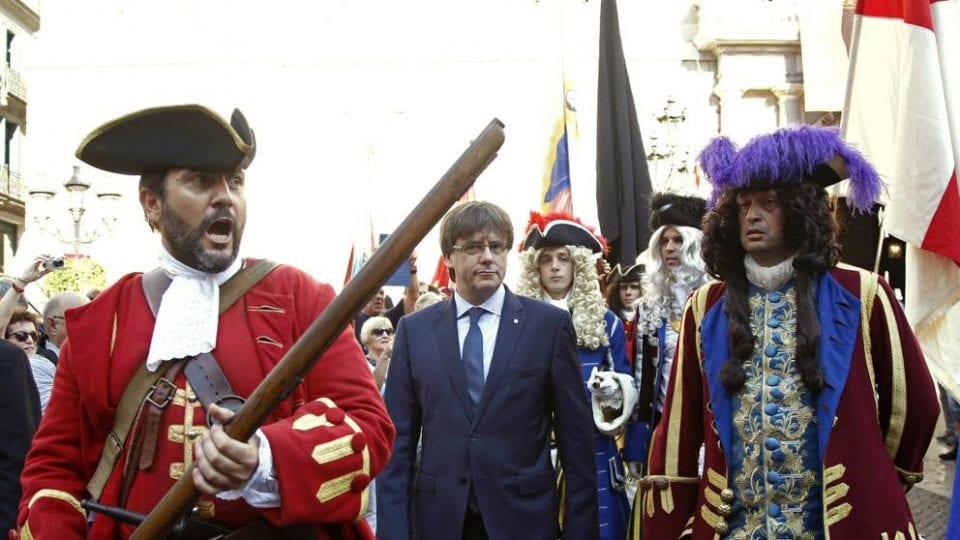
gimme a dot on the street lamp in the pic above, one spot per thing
(76, 204)
(666, 150)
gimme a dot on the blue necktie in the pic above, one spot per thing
(473, 356)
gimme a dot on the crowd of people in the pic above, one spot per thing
(736, 382)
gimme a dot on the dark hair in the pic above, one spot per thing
(811, 232)
(613, 293)
(153, 181)
(21, 315)
(469, 218)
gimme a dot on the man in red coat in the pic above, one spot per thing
(800, 377)
(306, 469)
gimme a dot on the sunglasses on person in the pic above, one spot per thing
(380, 332)
(22, 335)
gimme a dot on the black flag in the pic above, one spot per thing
(623, 181)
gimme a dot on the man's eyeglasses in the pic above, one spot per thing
(22, 335)
(380, 332)
(475, 248)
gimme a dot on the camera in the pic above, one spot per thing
(54, 263)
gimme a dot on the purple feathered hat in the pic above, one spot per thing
(791, 155)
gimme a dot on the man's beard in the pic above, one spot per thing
(185, 243)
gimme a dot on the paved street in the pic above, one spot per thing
(930, 499)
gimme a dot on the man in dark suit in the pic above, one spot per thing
(19, 416)
(482, 379)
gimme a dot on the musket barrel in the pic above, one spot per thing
(301, 357)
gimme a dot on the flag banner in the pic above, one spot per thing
(903, 110)
(623, 180)
(557, 196)
(362, 248)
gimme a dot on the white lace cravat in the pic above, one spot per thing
(769, 278)
(189, 310)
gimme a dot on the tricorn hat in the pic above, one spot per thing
(673, 209)
(172, 137)
(630, 274)
(560, 229)
(789, 156)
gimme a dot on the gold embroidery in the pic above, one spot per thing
(648, 502)
(113, 334)
(311, 421)
(868, 292)
(671, 467)
(913, 531)
(175, 433)
(898, 403)
(709, 516)
(364, 468)
(335, 487)
(205, 509)
(25, 533)
(712, 497)
(188, 413)
(328, 402)
(836, 514)
(834, 493)
(833, 473)
(717, 479)
(333, 450)
(59, 495)
(900, 536)
(666, 500)
(267, 340)
(176, 470)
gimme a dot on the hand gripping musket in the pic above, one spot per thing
(298, 361)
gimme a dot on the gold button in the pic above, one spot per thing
(726, 495)
(191, 397)
(724, 509)
(721, 527)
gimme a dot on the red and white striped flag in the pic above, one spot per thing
(903, 110)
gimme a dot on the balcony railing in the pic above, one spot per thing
(11, 184)
(15, 84)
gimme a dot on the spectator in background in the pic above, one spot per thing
(12, 297)
(55, 326)
(376, 306)
(377, 338)
(22, 332)
(20, 409)
(427, 299)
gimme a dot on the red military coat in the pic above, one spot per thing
(877, 414)
(328, 438)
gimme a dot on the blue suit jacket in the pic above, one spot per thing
(502, 449)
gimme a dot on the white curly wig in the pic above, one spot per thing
(586, 302)
(665, 291)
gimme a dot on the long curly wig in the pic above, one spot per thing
(666, 290)
(586, 303)
(811, 232)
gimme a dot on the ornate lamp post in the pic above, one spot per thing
(666, 149)
(76, 203)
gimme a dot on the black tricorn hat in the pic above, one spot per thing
(632, 273)
(172, 137)
(673, 209)
(560, 229)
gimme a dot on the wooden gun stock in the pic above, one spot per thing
(327, 327)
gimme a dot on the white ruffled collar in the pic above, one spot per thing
(769, 278)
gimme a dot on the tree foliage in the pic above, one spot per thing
(79, 274)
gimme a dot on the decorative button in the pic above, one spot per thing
(724, 509)
(771, 444)
(726, 495)
(721, 527)
(473, 437)
(774, 478)
(359, 482)
(773, 510)
(771, 409)
(778, 456)
(359, 442)
(776, 393)
(773, 380)
(775, 337)
(773, 322)
(770, 351)
(775, 296)
(191, 397)
(335, 416)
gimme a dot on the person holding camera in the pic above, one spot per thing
(13, 297)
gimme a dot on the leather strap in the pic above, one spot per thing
(210, 384)
(139, 385)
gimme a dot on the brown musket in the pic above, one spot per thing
(320, 335)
